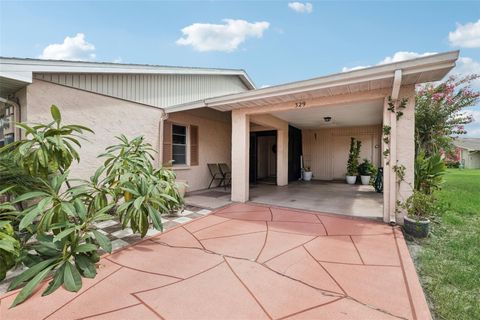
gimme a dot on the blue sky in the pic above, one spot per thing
(274, 41)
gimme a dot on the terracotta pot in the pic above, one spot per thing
(351, 179)
(416, 228)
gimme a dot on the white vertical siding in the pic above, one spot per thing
(161, 90)
(320, 151)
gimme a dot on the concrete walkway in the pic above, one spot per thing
(324, 196)
(248, 262)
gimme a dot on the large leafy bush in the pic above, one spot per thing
(439, 112)
(49, 223)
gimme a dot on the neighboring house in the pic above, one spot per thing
(215, 116)
(467, 152)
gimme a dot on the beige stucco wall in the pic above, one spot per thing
(325, 150)
(108, 117)
(214, 144)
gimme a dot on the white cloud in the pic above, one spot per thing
(473, 129)
(72, 48)
(221, 37)
(466, 36)
(397, 57)
(466, 66)
(306, 7)
(117, 60)
(404, 55)
(345, 69)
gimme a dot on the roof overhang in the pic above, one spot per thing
(415, 71)
(22, 69)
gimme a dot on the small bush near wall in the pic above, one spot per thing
(48, 222)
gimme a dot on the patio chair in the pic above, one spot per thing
(226, 173)
(216, 173)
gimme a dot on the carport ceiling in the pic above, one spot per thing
(343, 115)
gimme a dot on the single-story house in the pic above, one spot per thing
(196, 116)
(467, 151)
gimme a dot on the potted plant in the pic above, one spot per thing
(366, 170)
(352, 165)
(307, 174)
(419, 207)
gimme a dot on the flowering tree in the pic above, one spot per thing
(439, 115)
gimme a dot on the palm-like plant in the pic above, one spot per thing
(63, 217)
(48, 148)
(429, 172)
(9, 243)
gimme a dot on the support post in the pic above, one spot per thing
(282, 156)
(240, 156)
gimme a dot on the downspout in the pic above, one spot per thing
(16, 112)
(163, 117)
(397, 82)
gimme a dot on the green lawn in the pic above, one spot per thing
(449, 262)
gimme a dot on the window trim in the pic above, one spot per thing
(187, 145)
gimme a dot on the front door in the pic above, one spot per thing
(263, 157)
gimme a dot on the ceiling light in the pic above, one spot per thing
(327, 119)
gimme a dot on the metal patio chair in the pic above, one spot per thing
(216, 173)
(226, 173)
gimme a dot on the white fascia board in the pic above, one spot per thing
(21, 76)
(186, 106)
(387, 71)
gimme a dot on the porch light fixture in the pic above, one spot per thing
(300, 104)
(327, 119)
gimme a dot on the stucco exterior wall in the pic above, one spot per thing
(214, 144)
(108, 117)
(325, 150)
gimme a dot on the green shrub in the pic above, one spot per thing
(366, 168)
(9, 243)
(352, 165)
(62, 216)
(420, 206)
(429, 172)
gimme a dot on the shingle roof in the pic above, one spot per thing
(471, 144)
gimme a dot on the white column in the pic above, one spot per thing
(405, 140)
(240, 156)
(282, 156)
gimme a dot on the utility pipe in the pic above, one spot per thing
(163, 117)
(397, 82)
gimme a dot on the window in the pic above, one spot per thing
(177, 148)
(179, 144)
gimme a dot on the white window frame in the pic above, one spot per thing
(187, 145)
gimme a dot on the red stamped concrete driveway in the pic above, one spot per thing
(248, 262)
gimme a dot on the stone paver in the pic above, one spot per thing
(248, 261)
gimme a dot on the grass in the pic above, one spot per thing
(449, 260)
